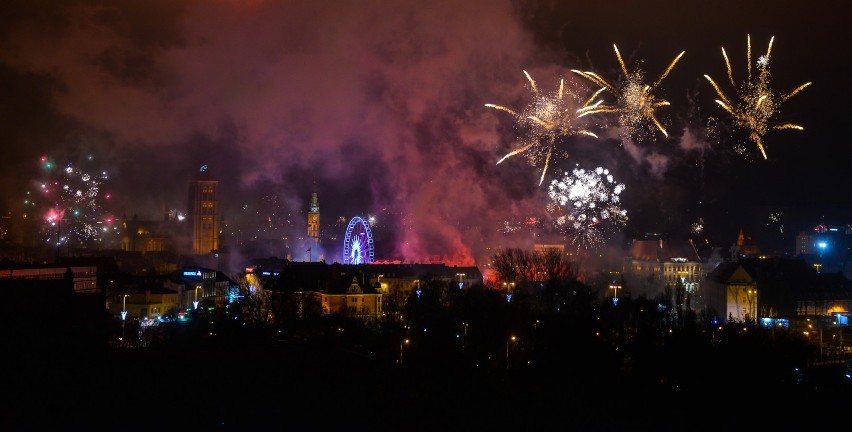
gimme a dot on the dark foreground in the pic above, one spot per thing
(286, 386)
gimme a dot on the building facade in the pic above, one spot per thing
(198, 285)
(653, 265)
(84, 278)
(314, 220)
(356, 301)
(203, 212)
(787, 289)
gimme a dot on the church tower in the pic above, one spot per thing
(203, 212)
(314, 219)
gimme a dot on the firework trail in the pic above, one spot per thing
(70, 203)
(636, 104)
(756, 105)
(547, 117)
(586, 206)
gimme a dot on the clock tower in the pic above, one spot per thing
(314, 219)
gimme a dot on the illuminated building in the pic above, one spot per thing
(827, 249)
(203, 211)
(154, 303)
(542, 248)
(314, 219)
(148, 235)
(740, 292)
(364, 291)
(356, 301)
(653, 265)
(775, 289)
(206, 286)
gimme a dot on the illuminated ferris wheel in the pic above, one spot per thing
(358, 243)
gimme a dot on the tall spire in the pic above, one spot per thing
(314, 203)
(314, 218)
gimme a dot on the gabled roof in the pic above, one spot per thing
(663, 250)
(802, 280)
(341, 285)
(723, 272)
(794, 271)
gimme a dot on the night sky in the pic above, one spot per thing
(379, 107)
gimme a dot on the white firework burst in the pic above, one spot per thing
(587, 206)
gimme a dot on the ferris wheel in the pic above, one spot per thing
(358, 242)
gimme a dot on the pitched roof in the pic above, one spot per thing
(723, 271)
(663, 250)
(803, 280)
(341, 285)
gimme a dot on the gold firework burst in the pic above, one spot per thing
(547, 117)
(636, 104)
(756, 105)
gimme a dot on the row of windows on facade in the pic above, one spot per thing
(688, 269)
(354, 299)
(208, 193)
(672, 278)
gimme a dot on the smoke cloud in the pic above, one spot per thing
(377, 106)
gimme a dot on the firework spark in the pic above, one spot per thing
(697, 227)
(776, 222)
(757, 105)
(586, 206)
(636, 104)
(71, 202)
(548, 116)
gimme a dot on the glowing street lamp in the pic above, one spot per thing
(401, 345)
(124, 307)
(510, 288)
(195, 302)
(461, 275)
(123, 313)
(615, 288)
(511, 339)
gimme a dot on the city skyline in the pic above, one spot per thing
(387, 116)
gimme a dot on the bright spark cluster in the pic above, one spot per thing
(71, 203)
(587, 206)
(776, 222)
(697, 227)
(547, 117)
(635, 101)
(756, 105)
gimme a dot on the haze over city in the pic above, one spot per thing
(424, 215)
(380, 108)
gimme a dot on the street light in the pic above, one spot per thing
(511, 339)
(401, 345)
(195, 302)
(615, 288)
(461, 275)
(124, 307)
(123, 313)
(509, 287)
